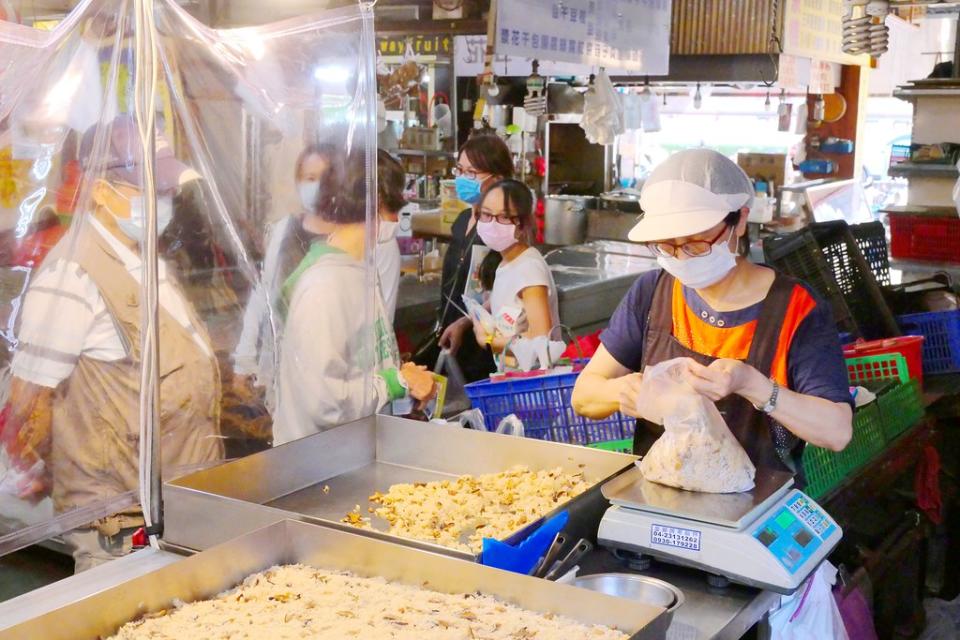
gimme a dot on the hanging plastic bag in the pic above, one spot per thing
(511, 425)
(811, 612)
(696, 452)
(602, 111)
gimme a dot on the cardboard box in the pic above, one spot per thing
(770, 167)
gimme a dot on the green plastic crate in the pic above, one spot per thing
(884, 366)
(900, 408)
(618, 446)
(826, 469)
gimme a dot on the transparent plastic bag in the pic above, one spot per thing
(602, 111)
(810, 612)
(696, 452)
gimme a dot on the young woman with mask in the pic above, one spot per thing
(391, 179)
(764, 346)
(288, 241)
(484, 160)
(339, 360)
(523, 299)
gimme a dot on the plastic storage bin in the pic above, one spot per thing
(908, 346)
(543, 404)
(871, 238)
(941, 332)
(925, 237)
(825, 469)
(900, 408)
(887, 366)
(827, 257)
(618, 446)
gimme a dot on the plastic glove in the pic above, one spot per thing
(419, 381)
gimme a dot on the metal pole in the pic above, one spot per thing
(956, 51)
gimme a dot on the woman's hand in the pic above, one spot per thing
(629, 394)
(452, 337)
(480, 334)
(722, 378)
(420, 382)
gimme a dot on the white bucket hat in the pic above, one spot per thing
(688, 193)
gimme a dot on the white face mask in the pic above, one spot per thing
(134, 226)
(701, 272)
(386, 231)
(308, 194)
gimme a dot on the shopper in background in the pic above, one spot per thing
(483, 161)
(523, 299)
(288, 241)
(75, 393)
(339, 359)
(762, 345)
(391, 179)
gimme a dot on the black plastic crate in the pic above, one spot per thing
(828, 258)
(871, 238)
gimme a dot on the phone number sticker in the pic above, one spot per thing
(664, 536)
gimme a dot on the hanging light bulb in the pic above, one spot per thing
(697, 98)
(766, 103)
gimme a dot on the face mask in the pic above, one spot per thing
(133, 227)
(701, 272)
(308, 194)
(498, 237)
(468, 189)
(386, 231)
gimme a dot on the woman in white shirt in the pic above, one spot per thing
(524, 297)
(391, 179)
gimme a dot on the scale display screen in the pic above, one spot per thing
(795, 531)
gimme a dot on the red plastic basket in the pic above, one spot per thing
(925, 237)
(910, 347)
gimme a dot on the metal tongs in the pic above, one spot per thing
(549, 568)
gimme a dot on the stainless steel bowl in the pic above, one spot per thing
(634, 587)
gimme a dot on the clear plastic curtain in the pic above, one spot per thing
(218, 190)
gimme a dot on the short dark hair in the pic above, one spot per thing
(391, 179)
(343, 189)
(489, 154)
(326, 151)
(518, 202)
(732, 219)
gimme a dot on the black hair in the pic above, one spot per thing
(391, 178)
(326, 151)
(732, 219)
(518, 202)
(488, 153)
(343, 189)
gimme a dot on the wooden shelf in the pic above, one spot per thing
(906, 169)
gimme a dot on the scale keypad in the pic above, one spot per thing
(795, 531)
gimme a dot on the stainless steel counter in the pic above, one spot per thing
(706, 613)
(591, 279)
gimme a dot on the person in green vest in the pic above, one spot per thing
(339, 360)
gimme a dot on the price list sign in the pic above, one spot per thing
(631, 36)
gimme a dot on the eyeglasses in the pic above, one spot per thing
(467, 173)
(483, 216)
(693, 248)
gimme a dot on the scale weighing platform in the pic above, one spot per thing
(772, 537)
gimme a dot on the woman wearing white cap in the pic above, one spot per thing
(765, 347)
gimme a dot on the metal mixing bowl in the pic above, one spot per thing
(634, 587)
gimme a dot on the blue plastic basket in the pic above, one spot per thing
(543, 404)
(941, 332)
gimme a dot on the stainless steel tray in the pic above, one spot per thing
(322, 477)
(208, 573)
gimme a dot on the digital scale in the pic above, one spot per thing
(772, 537)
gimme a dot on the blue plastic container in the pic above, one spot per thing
(543, 404)
(941, 332)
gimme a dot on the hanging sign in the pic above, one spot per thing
(422, 45)
(813, 29)
(625, 36)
